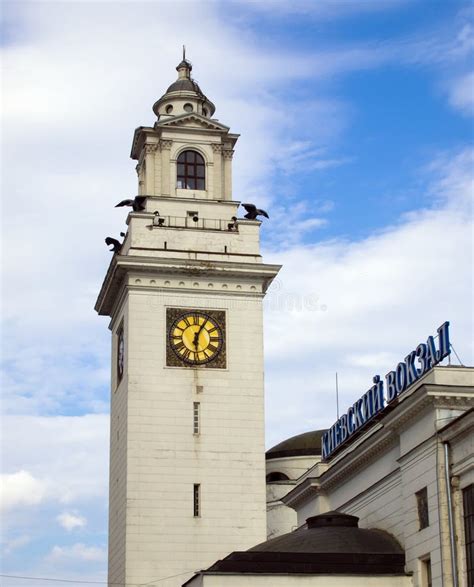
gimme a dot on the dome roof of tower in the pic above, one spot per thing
(308, 443)
(184, 85)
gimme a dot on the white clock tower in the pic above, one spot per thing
(184, 293)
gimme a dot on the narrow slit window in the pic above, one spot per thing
(196, 418)
(120, 355)
(197, 500)
(422, 505)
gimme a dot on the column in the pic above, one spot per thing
(217, 149)
(227, 154)
(150, 169)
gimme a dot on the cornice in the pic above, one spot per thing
(306, 490)
(180, 121)
(122, 265)
(234, 203)
(139, 138)
(458, 428)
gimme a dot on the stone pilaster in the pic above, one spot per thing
(165, 167)
(150, 150)
(218, 183)
(227, 154)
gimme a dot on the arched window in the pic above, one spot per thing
(276, 477)
(191, 171)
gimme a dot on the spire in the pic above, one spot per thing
(184, 68)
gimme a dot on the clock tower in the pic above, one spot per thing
(184, 294)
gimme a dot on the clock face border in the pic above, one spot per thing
(172, 359)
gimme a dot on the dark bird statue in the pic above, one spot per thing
(253, 212)
(116, 245)
(138, 203)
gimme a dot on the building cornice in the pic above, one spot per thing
(121, 265)
(180, 121)
(303, 492)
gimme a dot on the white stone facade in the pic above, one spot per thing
(156, 456)
(299, 581)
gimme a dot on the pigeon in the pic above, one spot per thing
(116, 245)
(253, 212)
(138, 203)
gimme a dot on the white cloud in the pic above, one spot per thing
(15, 543)
(71, 521)
(462, 93)
(20, 489)
(356, 307)
(77, 552)
(65, 458)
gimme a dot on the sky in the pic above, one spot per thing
(356, 123)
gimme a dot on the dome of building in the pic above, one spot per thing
(332, 543)
(185, 85)
(308, 443)
(332, 532)
(183, 96)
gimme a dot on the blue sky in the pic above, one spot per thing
(356, 122)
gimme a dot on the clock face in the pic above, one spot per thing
(196, 338)
(120, 355)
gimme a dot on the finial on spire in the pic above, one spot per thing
(184, 68)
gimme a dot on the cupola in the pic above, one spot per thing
(183, 96)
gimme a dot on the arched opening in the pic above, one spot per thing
(191, 171)
(276, 477)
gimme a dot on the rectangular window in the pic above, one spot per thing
(422, 505)
(197, 500)
(468, 506)
(196, 417)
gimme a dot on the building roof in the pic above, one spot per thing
(308, 443)
(332, 532)
(185, 85)
(331, 543)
